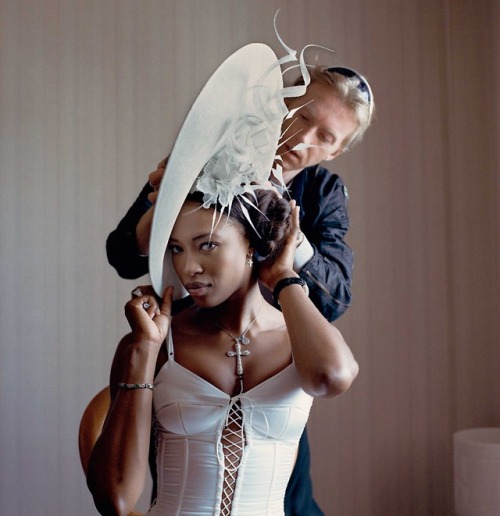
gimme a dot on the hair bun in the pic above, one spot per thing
(272, 224)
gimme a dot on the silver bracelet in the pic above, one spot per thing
(132, 386)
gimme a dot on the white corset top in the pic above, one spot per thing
(190, 415)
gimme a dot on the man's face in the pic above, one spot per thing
(324, 122)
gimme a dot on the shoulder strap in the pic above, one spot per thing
(170, 345)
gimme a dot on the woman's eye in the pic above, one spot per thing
(175, 249)
(208, 246)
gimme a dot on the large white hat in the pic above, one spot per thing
(231, 133)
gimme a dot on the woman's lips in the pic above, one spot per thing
(197, 288)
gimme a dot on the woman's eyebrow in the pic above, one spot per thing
(210, 236)
(203, 236)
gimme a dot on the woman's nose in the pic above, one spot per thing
(192, 265)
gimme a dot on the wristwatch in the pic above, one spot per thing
(286, 282)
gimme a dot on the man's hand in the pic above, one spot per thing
(143, 229)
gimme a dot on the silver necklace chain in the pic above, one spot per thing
(238, 341)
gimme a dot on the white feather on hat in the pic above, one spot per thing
(227, 144)
(227, 141)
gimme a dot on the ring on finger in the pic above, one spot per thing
(146, 305)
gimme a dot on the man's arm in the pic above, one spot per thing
(322, 198)
(121, 245)
(324, 221)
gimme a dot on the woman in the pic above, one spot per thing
(233, 377)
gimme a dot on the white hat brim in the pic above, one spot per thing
(219, 102)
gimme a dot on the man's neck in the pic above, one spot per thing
(288, 175)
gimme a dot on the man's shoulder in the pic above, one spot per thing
(320, 179)
(319, 172)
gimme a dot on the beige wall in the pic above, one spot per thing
(91, 95)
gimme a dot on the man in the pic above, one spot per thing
(334, 113)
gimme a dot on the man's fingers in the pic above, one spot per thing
(153, 196)
(155, 177)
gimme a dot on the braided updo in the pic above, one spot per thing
(271, 221)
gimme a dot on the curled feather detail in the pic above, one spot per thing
(246, 157)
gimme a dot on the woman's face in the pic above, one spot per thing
(212, 265)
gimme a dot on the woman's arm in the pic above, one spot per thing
(119, 461)
(323, 360)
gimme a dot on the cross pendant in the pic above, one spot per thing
(238, 353)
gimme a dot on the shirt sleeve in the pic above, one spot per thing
(303, 254)
(325, 222)
(121, 244)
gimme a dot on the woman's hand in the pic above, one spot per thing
(149, 318)
(119, 460)
(282, 267)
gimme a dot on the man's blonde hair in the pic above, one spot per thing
(353, 90)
